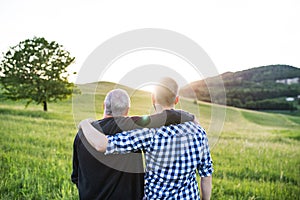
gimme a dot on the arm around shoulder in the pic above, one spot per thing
(96, 138)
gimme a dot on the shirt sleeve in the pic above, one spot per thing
(129, 141)
(205, 167)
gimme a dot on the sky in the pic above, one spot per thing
(235, 34)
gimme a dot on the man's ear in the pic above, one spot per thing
(176, 100)
(153, 99)
(127, 111)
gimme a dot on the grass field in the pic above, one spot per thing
(257, 155)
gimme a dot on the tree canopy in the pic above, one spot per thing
(36, 70)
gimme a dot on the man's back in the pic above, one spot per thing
(107, 177)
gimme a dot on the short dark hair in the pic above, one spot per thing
(166, 91)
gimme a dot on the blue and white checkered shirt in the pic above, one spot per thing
(173, 154)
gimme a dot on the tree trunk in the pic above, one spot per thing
(45, 106)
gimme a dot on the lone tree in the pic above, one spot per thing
(35, 70)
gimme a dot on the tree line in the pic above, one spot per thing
(254, 88)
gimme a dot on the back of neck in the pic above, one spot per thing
(159, 108)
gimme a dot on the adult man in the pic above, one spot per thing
(173, 153)
(116, 176)
(95, 174)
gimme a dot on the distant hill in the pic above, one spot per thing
(103, 87)
(260, 88)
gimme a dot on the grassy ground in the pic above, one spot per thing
(257, 155)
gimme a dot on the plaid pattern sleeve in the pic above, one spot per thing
(129, 141)
(205, 166)
(173, 156)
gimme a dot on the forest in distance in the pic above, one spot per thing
(272, 87)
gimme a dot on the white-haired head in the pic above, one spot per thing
(116, 103)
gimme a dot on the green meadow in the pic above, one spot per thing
(256, 155)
